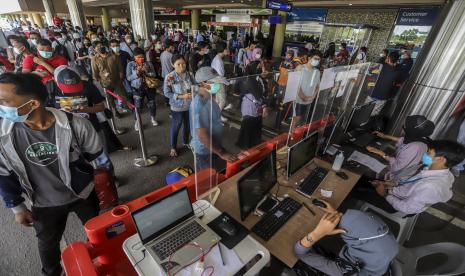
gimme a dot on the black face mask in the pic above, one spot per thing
(103, 50)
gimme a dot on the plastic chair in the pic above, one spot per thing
(406, 222)
(406, 262)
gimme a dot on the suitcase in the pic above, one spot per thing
(105, 189)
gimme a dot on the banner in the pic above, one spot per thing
(305, 14)
(234, 24)
(417, 17)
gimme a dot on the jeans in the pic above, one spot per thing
(179, 118)
(50, 223)
(139, 95)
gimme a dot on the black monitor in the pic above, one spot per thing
(256, 183)
(301, 153)
(360, 116)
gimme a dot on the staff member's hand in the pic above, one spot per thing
(375, 151)
(379, 134)
(24, 218)
(329, 208)
(327, 225)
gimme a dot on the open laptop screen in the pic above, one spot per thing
(159, 216)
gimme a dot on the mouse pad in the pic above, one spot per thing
(226, 239)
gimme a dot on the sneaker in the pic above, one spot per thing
(223, 119)
(136, 126)
(154, 122)
(228, 107)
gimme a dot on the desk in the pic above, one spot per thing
(246, 250)
(281, 245)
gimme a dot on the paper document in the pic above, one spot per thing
(368, 161)
(293, 83)
(327, 80)
(213, 259)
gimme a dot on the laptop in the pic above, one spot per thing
(167, 226)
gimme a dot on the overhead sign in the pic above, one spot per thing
(241, 18)
(234, 24)
(276, 5)
(417, 17)
(305, 14)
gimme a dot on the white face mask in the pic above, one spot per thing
(34, 42)
(16, 50)
(206, 51)
(382, 55)
(154, 37)
(128, 41)
(258, 56)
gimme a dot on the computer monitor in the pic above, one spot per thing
(256, 183)
(301, 153)
(360, 116)
(157, 217)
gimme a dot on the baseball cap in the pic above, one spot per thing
(209, 74)
(68, 80)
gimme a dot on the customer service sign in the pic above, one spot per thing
(417, 17)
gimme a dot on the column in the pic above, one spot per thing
(141, 17)
(76, 12)
(49, 11)
(436, 84)
(195, 21)
(29, 15)
(23, 18)
(106, 19)
(279, 35)
(38, 20)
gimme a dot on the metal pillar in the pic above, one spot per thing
(141, 17)
(195, 21)
(438, 80)
(38, 20)
(49, 11)
(279, 35)
(76, 12)
(105, 19)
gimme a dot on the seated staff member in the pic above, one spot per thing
(430, 186)
(409, 148)
(45, 63)
(205, 121)
(369, 247)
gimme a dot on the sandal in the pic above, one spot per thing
(173, 153)
(126, 148)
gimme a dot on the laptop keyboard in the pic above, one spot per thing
(168, 246)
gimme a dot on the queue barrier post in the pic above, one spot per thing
(116, 130)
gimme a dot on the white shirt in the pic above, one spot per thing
(430, 187)
(362, 57)
(218, 65)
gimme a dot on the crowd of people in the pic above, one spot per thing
(69, 70)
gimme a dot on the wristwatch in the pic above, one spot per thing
(309, 238)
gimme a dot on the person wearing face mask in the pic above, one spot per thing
(45, 62)
(38, 158)
(382, 56)
(342, 57)
(369, 247)
(362, 55)
(409, 148)
(83, 57)
(128, 45)
(205, 121)
(200, 58)
(34, 38)
(109, 72)
(21, 50)
(63, 47)
(430, 186)
(308, 88)
(102, 38)
(405, 66)
(177, 87)
(136, 73)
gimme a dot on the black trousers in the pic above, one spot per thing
(50, 223)
(368, 194)
(250, 133)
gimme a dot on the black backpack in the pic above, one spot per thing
(62, 51)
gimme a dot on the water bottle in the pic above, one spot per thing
(337, 164)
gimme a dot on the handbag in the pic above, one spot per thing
(152, 82)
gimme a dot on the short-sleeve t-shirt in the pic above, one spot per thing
(90, 96)
(54, 61)
(38, 151)
(309, 81)
(205, 113)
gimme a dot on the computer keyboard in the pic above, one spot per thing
(312, 181)
(364, 140)
(272, 221)
(168, 246)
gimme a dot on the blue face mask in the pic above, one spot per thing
(214, 88)
(11, 113)
(427, 160)
(46, 54)
(315, 62)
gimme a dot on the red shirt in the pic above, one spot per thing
(54, 61)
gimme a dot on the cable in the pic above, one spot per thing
(143, 252)
(195, 260)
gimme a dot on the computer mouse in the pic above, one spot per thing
(226, 226)
(342, 175)
(318, 203)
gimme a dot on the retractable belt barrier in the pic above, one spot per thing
(144, 161)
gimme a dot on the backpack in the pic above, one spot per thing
(178, 174)
(62, 51)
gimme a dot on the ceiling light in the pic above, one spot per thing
(350, 4)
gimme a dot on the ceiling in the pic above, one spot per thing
(191, 4)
